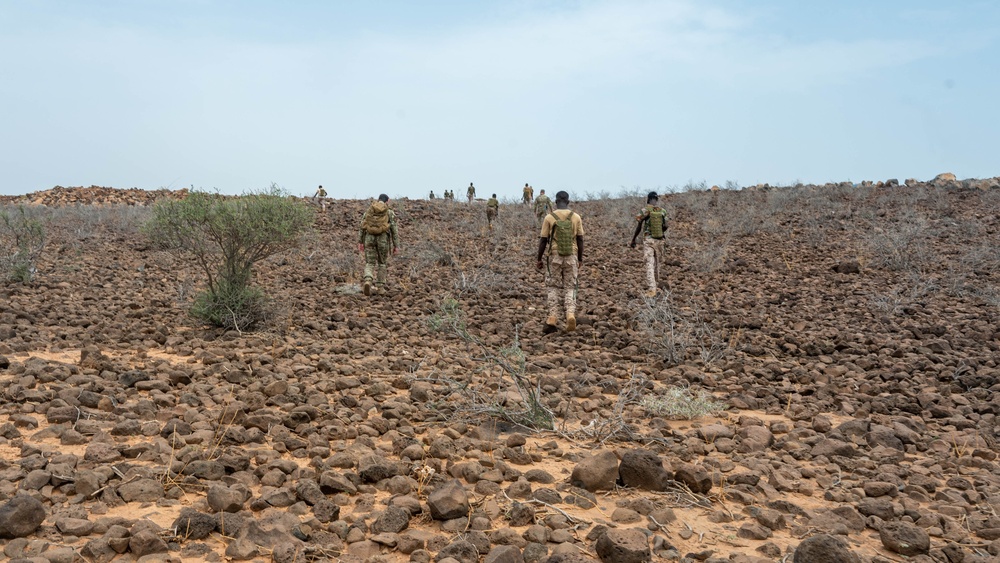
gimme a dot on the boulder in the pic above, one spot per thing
(904, 538)
(643, 469)
(824, 548)
(628, 545)
(448, 501)
(596, 473)
(21, 516)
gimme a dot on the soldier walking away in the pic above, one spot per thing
(377, 238)
(449, 195)
(320, 197)
(492, 208)
(471, 192)
(543, 206)
(652, 224)
(432, 195)
(526, 194)
(562, 232)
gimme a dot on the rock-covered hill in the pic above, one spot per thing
(851, 332)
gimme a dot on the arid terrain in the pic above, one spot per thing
(849, 335)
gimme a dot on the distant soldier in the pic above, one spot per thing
(432, 195)
(377, 238)
(543, 206)
(526, 194)
(562, 232)
(492, 208)
(531, 193)
(448, 195)
(320, 197)
(471, 192)
(652, 223)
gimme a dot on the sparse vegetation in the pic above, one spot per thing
(511, 360)
(22, 241)
(677, 336)
(682, 403)
(227, 236)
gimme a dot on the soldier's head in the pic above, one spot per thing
(526, 184)
(652, 197)
(383, 198)
(541, 192)
(562, 197)
(494, 196)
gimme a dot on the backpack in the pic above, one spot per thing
(376, 221)
(562, 232)
(657, 221)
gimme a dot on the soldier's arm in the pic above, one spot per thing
(579, 249)
(638, 229)
(542, 243)
(361, 229)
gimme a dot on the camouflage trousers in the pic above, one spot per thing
(377, 249)
(652, 252)
(491, 214)
(561, 283)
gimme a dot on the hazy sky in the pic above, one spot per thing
(404, 96)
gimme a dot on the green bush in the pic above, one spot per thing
(21, 243)
(232, 306)
(227, 236)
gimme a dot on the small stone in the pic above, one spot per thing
(142, 490)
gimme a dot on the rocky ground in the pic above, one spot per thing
(850, 333)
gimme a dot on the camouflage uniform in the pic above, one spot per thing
(471, 193)
(377, 250)
(543, 206)
(561, 272)
(492, 207)
(526, 196)
(652, 250)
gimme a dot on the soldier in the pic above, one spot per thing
(526, 194)
(320, 197)
(564, 230)
(543, 206)
(492, 207)
(432, 195)
(652, 223)
(471, 192)
(377, 238)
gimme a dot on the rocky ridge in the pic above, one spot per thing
(851, 331)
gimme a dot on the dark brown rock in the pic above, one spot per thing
(824, 549)
(623, 546)
(904, 538)
(21, 516)
(598, 472)
(644, 469)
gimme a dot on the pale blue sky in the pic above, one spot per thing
(403, 97)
